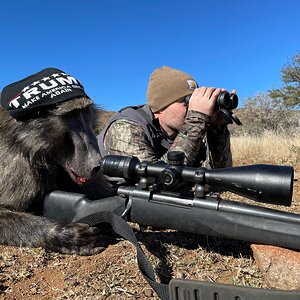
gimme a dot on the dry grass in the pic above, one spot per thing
(268, 148)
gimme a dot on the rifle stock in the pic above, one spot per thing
(213, 217)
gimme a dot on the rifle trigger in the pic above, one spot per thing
(127, 208)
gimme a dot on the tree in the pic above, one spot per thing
(268, 114)
(263, 114)
(289, 94)
(272, 111)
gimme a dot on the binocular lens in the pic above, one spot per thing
(227, 101)
(234, 100)
(223, 100)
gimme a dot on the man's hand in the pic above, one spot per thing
(204, 99)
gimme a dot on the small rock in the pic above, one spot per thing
(180, 274)
(148, 293)
(280, 267)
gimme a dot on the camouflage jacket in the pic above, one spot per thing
(203, 144)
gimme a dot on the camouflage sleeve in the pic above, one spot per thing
(196, 134)
(218, 139)
(128, 138)
(191, 137)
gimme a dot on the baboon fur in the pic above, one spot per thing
(43, 154)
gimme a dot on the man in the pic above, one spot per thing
(178, 116)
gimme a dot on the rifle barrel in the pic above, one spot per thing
(214, 217)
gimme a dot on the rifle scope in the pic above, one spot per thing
(263, 183)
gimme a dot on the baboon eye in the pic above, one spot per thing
(85, 111)
(69, 114)
(68, 142)
(75, 112)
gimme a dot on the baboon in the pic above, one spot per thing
(47, 142)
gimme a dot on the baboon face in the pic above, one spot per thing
(75, 146)
(53, 122)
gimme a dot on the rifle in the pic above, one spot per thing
(152, 197)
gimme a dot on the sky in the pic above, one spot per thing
(113, 46)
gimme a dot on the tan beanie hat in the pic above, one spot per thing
(168, 85)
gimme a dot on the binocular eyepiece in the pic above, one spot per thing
(227, 101)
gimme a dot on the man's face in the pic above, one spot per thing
(173, 116)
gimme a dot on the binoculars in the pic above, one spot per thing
(226, 103)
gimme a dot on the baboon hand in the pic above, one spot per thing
(77, 238)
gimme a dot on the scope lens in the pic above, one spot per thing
(119, 166)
